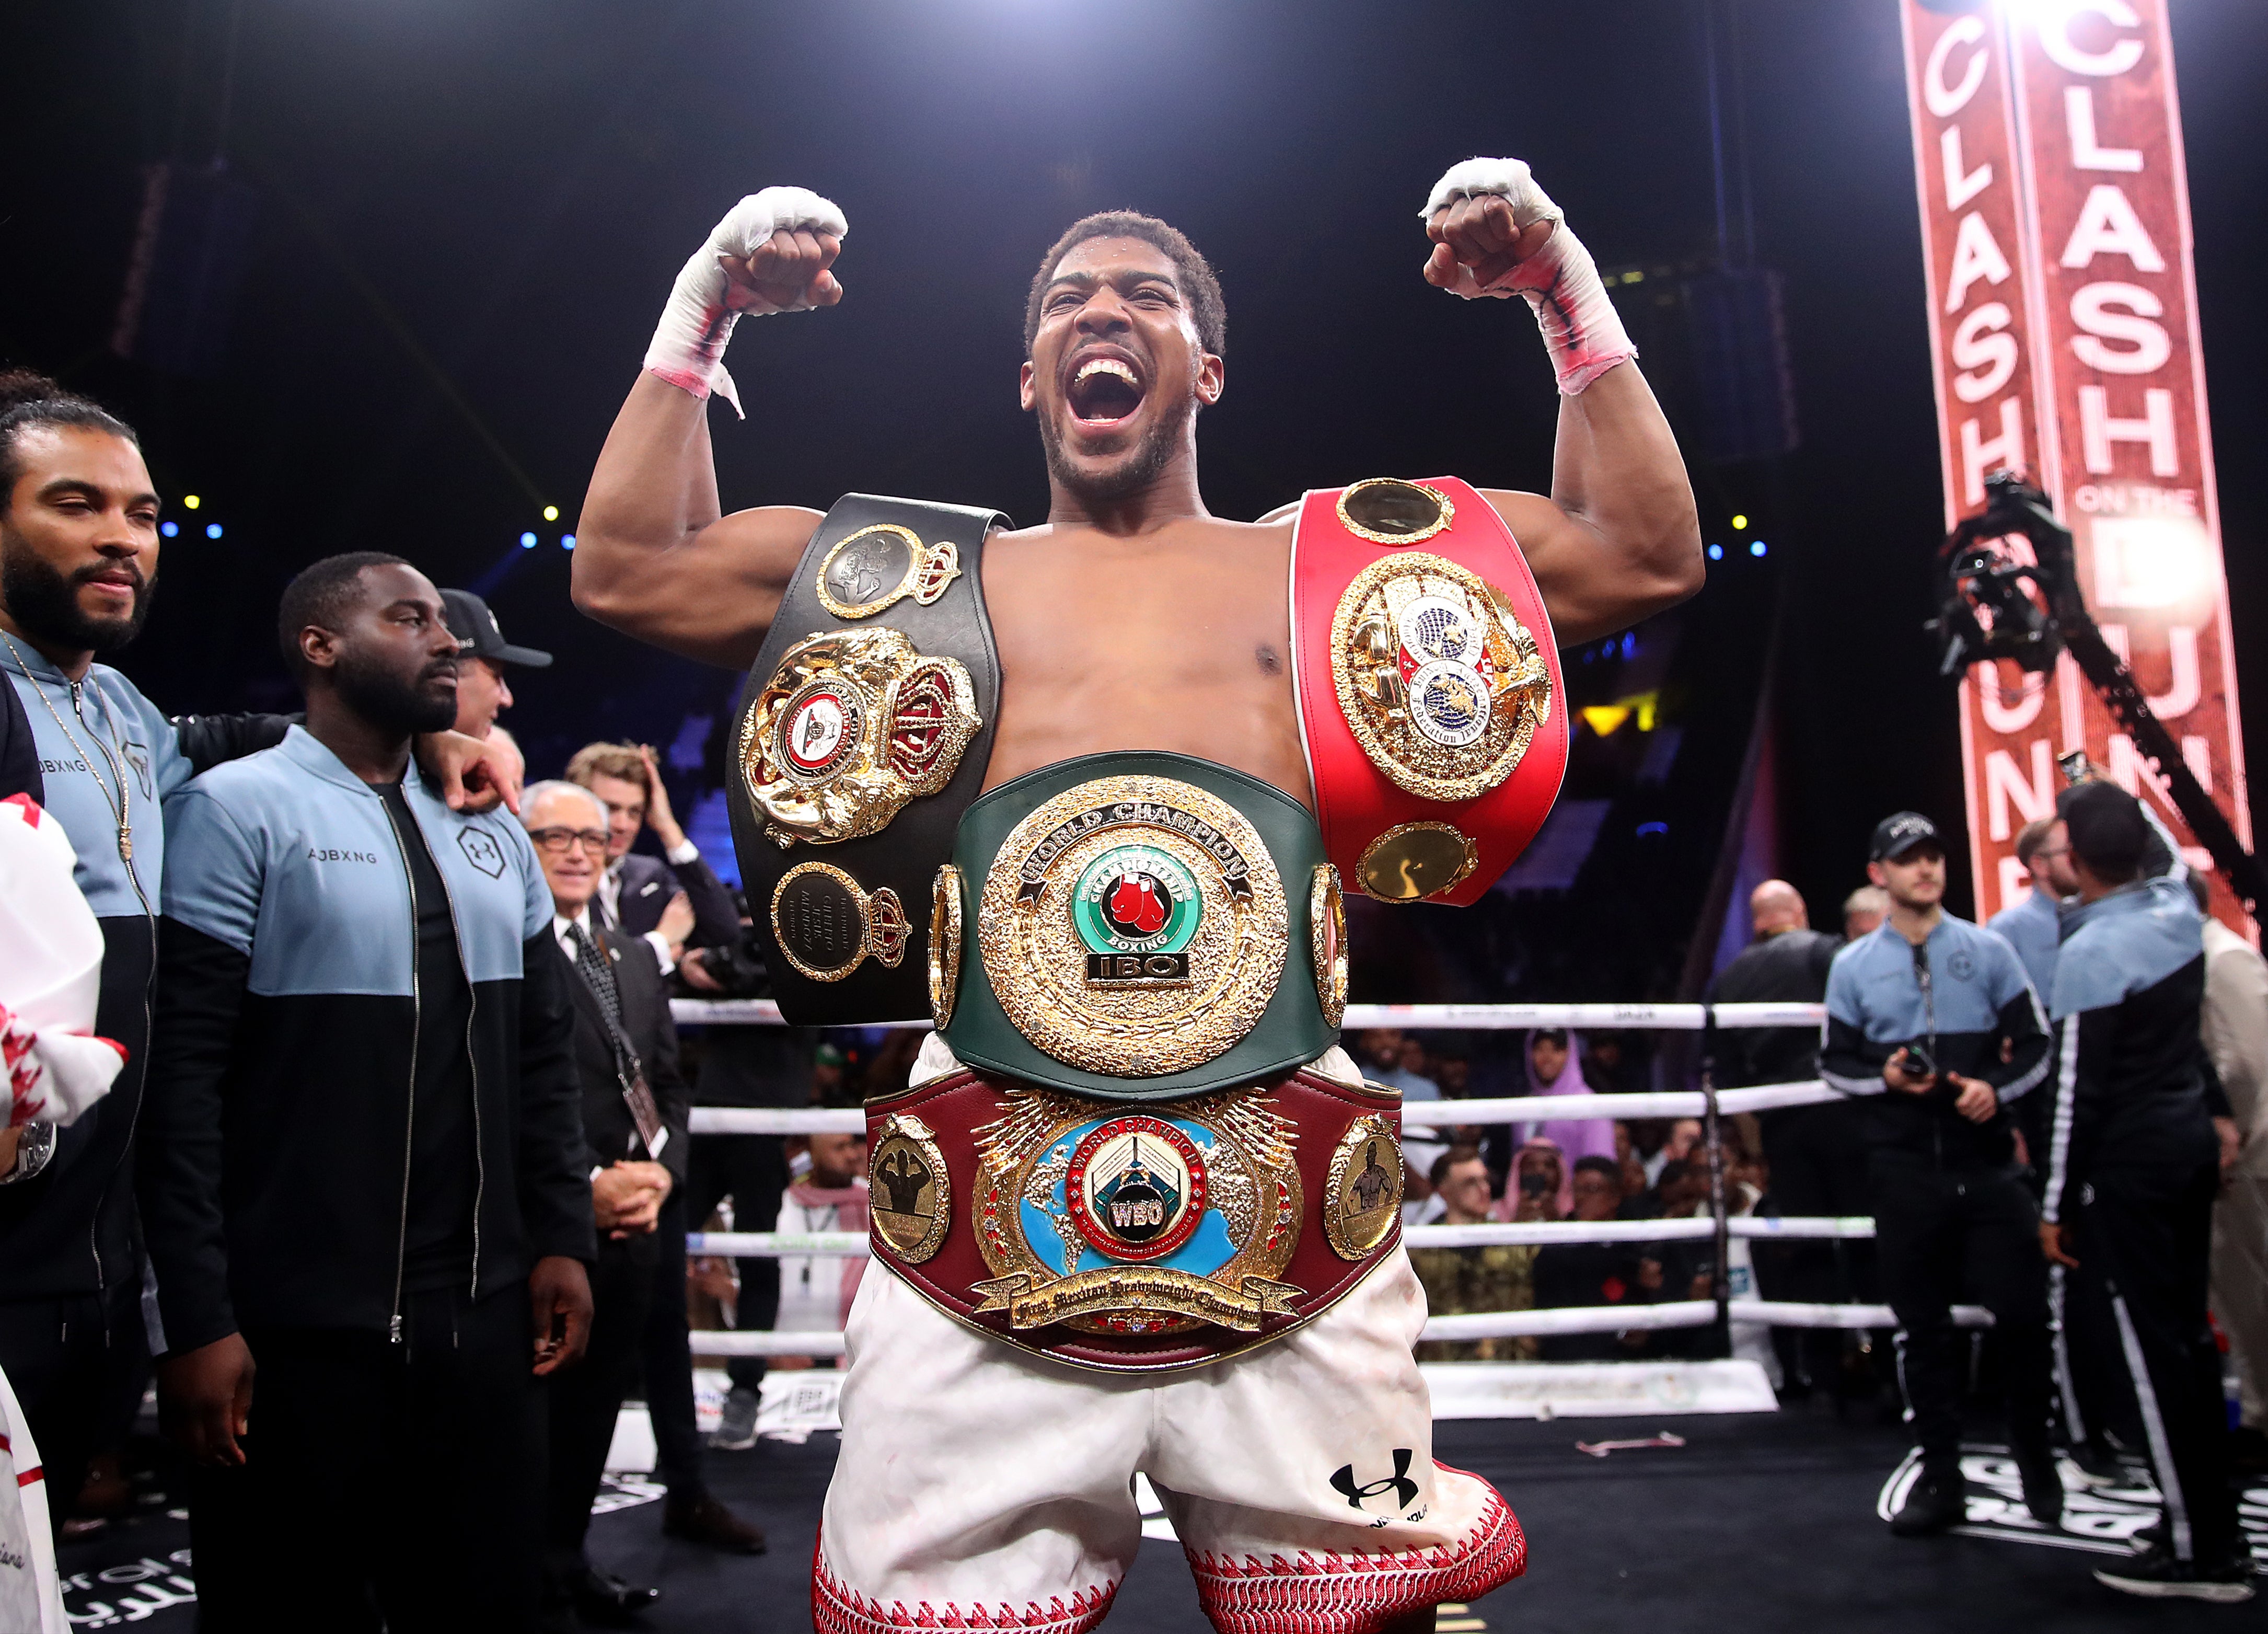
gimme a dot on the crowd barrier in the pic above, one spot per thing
(1708, 1104)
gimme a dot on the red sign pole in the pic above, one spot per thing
(2063, 311)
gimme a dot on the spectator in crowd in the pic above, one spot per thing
(2236, 1024)
(1381, 1054)
(1684, 1136)
(1635, 1185)
(2030, 926)
(1570, 1274)
(675, 903)
(1537, 1187)
(634, 1135)
(2133, 1174)
(816, 1289)
(1555, 1067)
(79, 559)
(1864, 910)
(740, 1067)
(482, 693)
(1817, 1154)
(1931, 1021)
(1496, 1277)
(363, 1164)
(676, 900)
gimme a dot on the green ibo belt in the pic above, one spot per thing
(1145, 925)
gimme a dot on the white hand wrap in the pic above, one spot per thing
(689, 342)
(1560, 281)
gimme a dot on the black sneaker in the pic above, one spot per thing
(1933, 1505)
(2157, 1575)
(2043, 1480)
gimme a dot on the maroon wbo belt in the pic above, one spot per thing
(1135, 1236)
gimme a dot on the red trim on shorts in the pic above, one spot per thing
(836, 1609)
(1358, 1593)
(35, 1473)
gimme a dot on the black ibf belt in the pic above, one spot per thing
(861, 738)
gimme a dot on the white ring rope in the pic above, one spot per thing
(1416, 1116)
(1524, 1109)
(1471, 1018)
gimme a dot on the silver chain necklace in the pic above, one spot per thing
(120, 809)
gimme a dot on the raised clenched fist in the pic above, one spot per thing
(1485, 217)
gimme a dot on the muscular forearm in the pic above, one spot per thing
(1615, 469)
(656, 557)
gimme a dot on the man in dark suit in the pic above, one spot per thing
(634, 1125)
(638, 892)
(672, 906)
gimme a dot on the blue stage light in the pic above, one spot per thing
(1716, 552)
(566, 541)
(212, 530)
(527, 542)
(169, 528)
(1630, 644)
(1755, 547)
(1652, 828)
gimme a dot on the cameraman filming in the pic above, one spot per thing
(1932, 1019)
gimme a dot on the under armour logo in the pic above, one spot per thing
(1399, 1483)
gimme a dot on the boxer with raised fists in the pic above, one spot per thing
(1088, 794)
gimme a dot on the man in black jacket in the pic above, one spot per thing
(362, 1165)
(1817, 1155)
(2133, 1170)
(634, 1119)
(78, 563)
(1931, 1021)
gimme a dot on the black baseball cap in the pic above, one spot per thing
(1900, 833)
(471, 622)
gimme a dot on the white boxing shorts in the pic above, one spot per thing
(981, 1486)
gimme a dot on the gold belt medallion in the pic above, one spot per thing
(1441, 683)
(827, 924)
(1133, 926)
(852, 726)
(1115, 1221)
(880, 565)
(910, 1187)
(1363, 1201)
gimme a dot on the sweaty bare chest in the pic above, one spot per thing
(1170, 651)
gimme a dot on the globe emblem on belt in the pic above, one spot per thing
(1136, 908)
(1136, 1189)
(1449, 703)
(1434, 627)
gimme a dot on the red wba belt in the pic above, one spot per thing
(1429, 685)
(1134, 1237)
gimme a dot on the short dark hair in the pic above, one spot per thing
(1449, 1160)
(320, 595)
(1675, 1170)
(2107, 828)
(27, 401)
(1200, 284)
(1595, 1164)
(2031, 836)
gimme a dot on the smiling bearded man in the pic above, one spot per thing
(1083, 795)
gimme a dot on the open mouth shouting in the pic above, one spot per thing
(1105, 390)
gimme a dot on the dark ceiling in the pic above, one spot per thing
(470, 212)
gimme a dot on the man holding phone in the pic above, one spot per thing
(1931, 1019)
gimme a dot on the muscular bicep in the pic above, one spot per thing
(1589, 587)
(712, 596)
(655, 558)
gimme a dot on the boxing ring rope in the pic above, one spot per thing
(1707, 1103)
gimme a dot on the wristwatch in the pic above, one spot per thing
(32, 1152)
